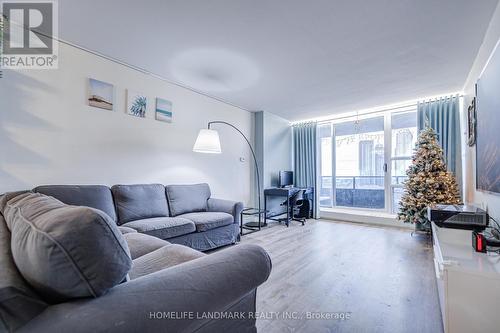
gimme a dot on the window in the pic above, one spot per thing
(404, 137)
(359, 161)
(354, 172)
(326, 189)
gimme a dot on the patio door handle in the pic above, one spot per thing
(385, 167)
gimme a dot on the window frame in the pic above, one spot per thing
(388, 158)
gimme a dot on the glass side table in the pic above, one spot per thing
(252, 226)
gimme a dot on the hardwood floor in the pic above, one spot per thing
(383, 277)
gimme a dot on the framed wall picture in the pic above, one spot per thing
(471, 123)
(137, 104)
(163, 110)
(487, 105)
(100, 94)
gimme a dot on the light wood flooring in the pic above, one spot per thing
(383, 277)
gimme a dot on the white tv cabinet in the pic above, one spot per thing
(468, 283)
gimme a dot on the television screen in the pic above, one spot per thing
(488, 126)
(286, 178)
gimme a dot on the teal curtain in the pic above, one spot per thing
(304, 156)
(443, 116)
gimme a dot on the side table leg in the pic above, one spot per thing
(265, 209)
(288, 211)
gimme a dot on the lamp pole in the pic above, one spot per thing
(251, 149)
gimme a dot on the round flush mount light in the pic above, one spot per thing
(214, 70)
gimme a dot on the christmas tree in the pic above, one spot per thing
(428, 182)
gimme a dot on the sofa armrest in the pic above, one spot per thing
(213, 283)
(226, 206)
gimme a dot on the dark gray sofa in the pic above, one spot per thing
(72, 269)
(181, 214)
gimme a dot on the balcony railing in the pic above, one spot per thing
(356, 191)
(359, 182)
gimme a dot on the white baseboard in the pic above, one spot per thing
(365, 217)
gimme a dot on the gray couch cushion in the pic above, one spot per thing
(95, 196)
(125, 230)
(141, 244)
(164, 257)
(187, 198)
(209, 220)
(63, 251)
(163, 227)
(211, 239)
(137, 202)
(18, 303)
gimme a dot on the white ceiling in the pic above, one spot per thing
(298, 59)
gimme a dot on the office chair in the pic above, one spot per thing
(296, 203)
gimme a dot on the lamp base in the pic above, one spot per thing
(255, 224)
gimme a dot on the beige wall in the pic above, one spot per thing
(489, 201)
(48, 134)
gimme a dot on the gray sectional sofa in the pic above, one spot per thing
(181, 214)
(71, 268)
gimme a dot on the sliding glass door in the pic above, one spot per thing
(359, 161)
(363, 162)
(404, 137)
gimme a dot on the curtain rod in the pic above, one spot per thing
(367, 113)
(402, 106)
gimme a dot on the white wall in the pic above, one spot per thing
(491, 202)
(273, 148)
(273, 143)
(277, 147)
(48, 134)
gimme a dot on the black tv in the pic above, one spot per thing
(488, 125)
(285, 178)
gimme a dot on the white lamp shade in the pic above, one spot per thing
(207, 142)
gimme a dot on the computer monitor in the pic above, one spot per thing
(285, 178)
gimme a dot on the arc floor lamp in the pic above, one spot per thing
(208, 142)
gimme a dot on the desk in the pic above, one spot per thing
(286, 193)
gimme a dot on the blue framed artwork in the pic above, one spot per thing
(163, 110)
